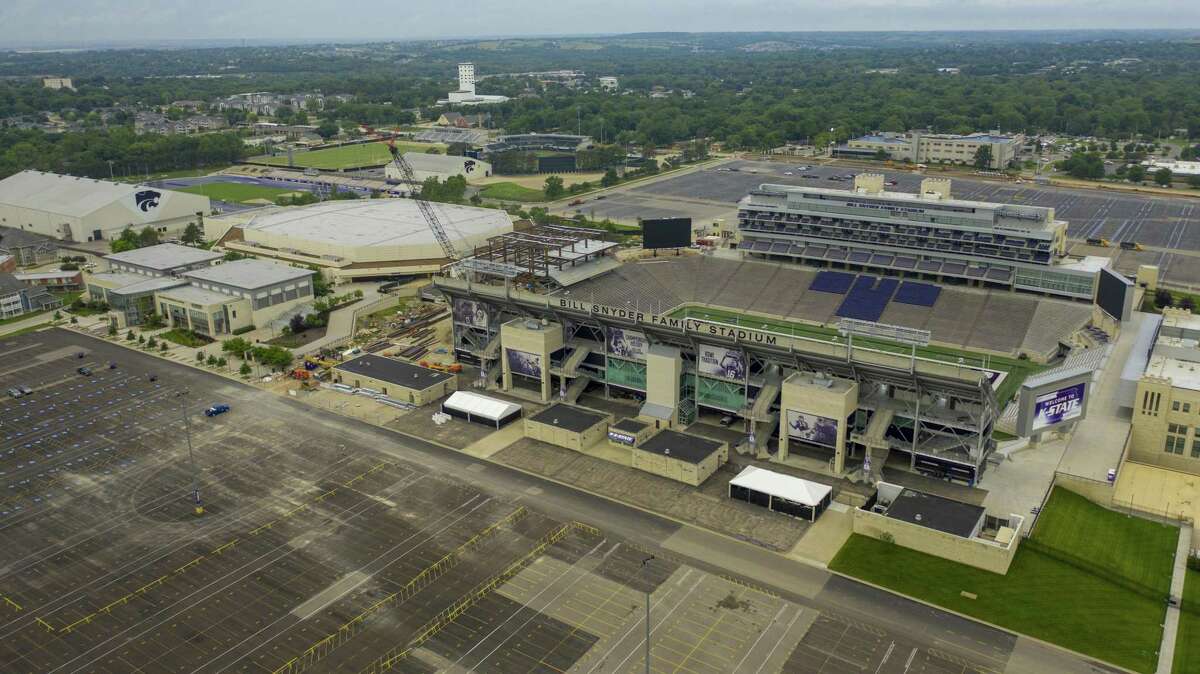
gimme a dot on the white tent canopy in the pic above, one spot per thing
(778, 485)
(476, 406)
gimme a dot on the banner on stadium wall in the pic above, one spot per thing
(1058, 406)
(812, 428)
(470, 312)
(524, 363)
(619, 437)
(629, 344)
(717, 361)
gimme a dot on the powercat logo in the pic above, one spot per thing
(147, 199)
(469, 165)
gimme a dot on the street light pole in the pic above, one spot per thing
(651, 557)
(187, 425)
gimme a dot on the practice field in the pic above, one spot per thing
(346, 156)
(236, 192)
(1093, 581)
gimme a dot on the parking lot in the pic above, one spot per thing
(316, 551)
(1160, 223)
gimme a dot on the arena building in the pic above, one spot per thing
(361, 239)
(68, 208)
(927, 235)
(439, 166)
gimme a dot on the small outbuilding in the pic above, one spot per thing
(568, 426)
(396, 379)
(629, 432)
(481, 409)
(685, 458)
(797, 497)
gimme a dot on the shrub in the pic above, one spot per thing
(112, 330)
(212, 360)
(221, 362)
(141, 339)
(1163, 298)
(57, 315)
(129, 336)
(151, 343)
(243, 330)
(200, 357)
(245, 370)
(74, 320)
(162, 346)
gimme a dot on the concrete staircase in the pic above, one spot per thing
(875, 440)
(576, 387)
(571, 365)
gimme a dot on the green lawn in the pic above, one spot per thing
(185, 338)
(1187, 641)
(346, 156)
(1046, 594)
(1016, 368)
(511, 192)
(236, 192)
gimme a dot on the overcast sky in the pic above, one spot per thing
(24, 22)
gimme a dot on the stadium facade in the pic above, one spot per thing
(927, 235)
(1166, 400)
(800, 396)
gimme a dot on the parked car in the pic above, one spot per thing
(25, 390)
(85, 371)
(219, 408)
(153, 377)
(14, 392)
(811, 176)
(112, 364)
(80, 354)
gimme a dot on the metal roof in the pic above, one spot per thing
(793, 489)
(249, 274)
(63, 195)
(395, 372)
(194, 295)
(164, 256)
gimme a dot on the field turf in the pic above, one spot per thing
(511, 192)
(236, 192)
(346, 156)
(1094, 581)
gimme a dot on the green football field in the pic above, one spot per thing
(346, 156)
(1016, 368)
(236, 192)
(1093, 581)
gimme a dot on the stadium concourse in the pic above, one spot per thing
(981, 320)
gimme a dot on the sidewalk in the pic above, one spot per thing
(1166, 652)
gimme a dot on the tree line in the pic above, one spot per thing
(89, 153)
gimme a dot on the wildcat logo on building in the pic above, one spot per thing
(147, 199)
(469, 165)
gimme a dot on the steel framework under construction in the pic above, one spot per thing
(539, 251)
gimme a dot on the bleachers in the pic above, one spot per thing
(832, 282)
(920, 294)
(868, 297)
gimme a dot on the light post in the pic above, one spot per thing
(187, 426)
(644, 561)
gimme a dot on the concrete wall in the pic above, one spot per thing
(541, 341)
(979, 553)
(1097, 492)
(801, 393)
(396, 391)
(562, 437)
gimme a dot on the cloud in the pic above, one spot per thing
(66, 21)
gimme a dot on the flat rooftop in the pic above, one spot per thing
(249, 274)
(935, 512)
(164, 256)
(378, 222)
(630, 425)
(689, 448)
(574, 419)
(395, 372)
(195, 295)
(1183, 374)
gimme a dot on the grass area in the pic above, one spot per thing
(236, 192)
(1187, 641)
(67, 298)
(186, 338)
(511, 192)
(298, 338)
(1178, 296)
(346, 156)
(1016, 368)
(1093, 581)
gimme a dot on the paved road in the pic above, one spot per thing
(27, 323)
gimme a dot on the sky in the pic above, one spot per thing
(65, 22)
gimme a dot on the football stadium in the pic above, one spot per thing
(856, 362)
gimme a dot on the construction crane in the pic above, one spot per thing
(427, 210)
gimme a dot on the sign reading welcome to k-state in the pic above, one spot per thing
(1058, 406)
(686, 324)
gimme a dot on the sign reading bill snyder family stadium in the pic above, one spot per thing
(1052, 398)
(686, 324)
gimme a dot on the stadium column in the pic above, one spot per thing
(527, 344)
(814, 413)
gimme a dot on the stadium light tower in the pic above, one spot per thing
(644, 561)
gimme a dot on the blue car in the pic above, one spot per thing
(216, 409)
